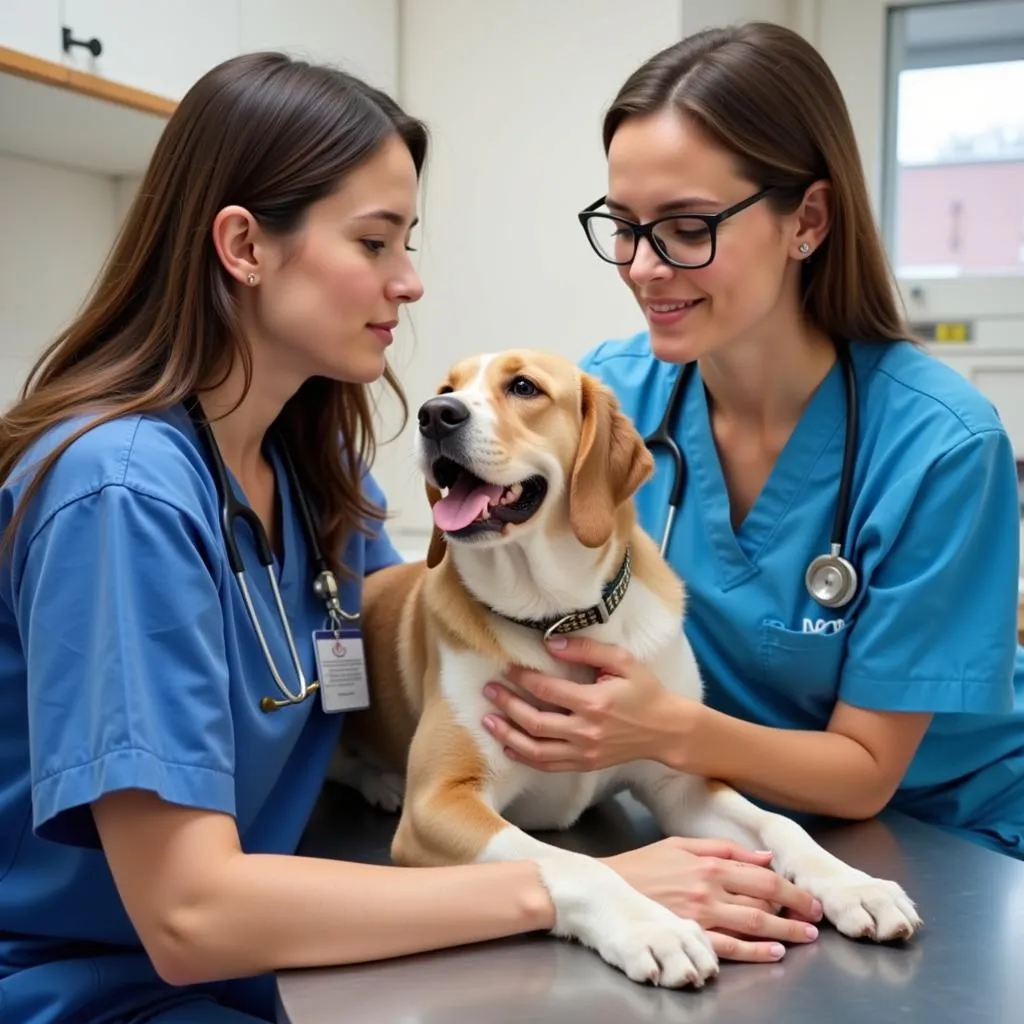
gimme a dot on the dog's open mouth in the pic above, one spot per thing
(471, 505)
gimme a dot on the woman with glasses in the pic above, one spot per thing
(882, 673)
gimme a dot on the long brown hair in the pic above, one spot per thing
(765, 94)
(273, 135)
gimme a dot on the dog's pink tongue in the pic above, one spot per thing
(463, 503)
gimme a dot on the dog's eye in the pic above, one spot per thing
(445, 389)
(523, 387)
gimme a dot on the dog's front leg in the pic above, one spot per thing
(857, 904)
(449, 818)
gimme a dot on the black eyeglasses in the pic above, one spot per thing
(684, 240)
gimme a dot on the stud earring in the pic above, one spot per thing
(251, 279)
(805, 248)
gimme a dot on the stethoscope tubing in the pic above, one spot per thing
(822, 570)
(230, 510)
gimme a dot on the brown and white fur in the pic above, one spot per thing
(433, 641)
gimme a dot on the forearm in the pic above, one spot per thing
(809, 771)
(265, 912)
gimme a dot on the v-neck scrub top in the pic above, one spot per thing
(934, 534)
(127, 660)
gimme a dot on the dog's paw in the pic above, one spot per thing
(382, 789)
(869, 908)
(653, 945)
(645, 940)
(379, 787)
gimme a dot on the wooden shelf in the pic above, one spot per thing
(13, 62)
(55, 114)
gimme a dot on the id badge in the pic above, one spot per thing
(341, 669)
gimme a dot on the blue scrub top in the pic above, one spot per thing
(934, 533)
(127, 659)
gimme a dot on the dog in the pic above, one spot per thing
(530, 467)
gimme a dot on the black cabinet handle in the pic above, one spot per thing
(94, 46)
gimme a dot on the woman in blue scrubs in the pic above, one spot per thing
(150, 809)
(910, 695)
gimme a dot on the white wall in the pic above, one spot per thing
(698, 14)
(513, 94)
(58, 225)
(515, 108)
(358, 35)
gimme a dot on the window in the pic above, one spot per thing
(953, 204)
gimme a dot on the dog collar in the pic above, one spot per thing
(571, 622)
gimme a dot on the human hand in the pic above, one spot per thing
(625, 715)
(729, 891)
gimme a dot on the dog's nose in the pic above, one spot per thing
(441, 416)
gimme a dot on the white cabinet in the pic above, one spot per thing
(158, 48)
(165, 48)
(161, 48)
(32, 27)
(999, 376)
(92, 112)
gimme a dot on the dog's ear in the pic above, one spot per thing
(612, 462)
(438, 545)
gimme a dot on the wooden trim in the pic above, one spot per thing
(24, 65)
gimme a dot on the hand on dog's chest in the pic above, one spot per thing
(582, 674)
(341, 670)
(529, 698)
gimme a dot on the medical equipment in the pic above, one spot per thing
(831, 578)
(325, 584)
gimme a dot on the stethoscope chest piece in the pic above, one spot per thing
(831, 579)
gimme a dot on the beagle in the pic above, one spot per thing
(530, 468)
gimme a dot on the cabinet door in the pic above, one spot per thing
(162, 48)
(31, 26)
(999, 376)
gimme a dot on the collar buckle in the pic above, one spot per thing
(595, 615)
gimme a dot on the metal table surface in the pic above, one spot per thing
(966, 965)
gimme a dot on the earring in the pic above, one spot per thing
(251, 279)
(805, 248)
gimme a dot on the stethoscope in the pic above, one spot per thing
(830, 579)
(325, 584)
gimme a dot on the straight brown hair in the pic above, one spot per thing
(273, 135)
(765, 94)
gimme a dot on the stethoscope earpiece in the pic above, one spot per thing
(831, 580)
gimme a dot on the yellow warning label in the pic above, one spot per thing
(947, 332)
(955, 332)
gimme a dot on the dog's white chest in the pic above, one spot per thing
(528, 798)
